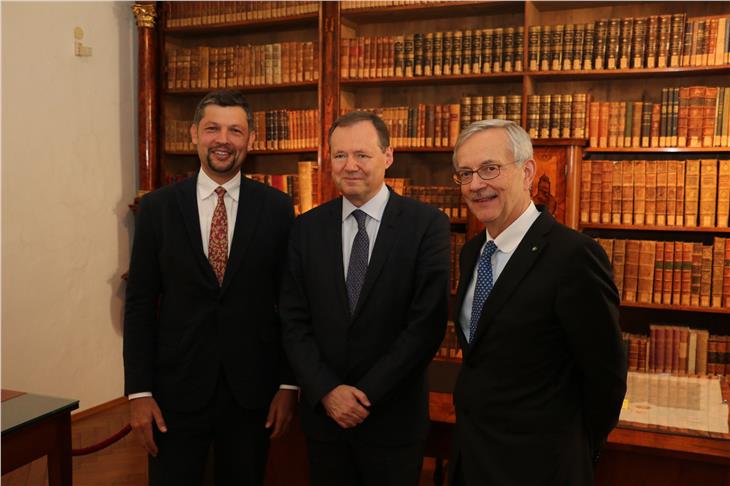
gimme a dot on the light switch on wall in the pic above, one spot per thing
(79, 48)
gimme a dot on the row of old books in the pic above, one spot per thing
(286, 129)
(694, 116)
(425, 125)
(449, 349)
(302, 187)
(557, 116)
(446, 198)
(678, 273)
(185, 14)
(679, 350)
(358, 4)
(686, 193)
(475, 108)
(275, 130)
(447, 53)
(630, 43)
(243, 65)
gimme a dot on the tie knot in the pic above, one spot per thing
(360, 217)
(220, 191)
(489, 249)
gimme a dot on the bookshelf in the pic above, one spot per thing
(342, 34)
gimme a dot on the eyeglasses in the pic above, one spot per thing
(485, 172)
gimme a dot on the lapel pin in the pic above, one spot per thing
(534, 248)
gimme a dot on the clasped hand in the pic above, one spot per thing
(347, 406)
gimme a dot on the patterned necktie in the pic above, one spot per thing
(358, 260)
(218, 242)
(483, 287)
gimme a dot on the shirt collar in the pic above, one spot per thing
(374, 208)
(508, 239)
(207, 186)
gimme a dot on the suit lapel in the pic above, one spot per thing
(471, 256)
(387, 236)
(188, 202)
(524, 257)
(250, 205)
(333, 245)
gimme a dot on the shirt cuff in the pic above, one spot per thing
(288, 387)
(132, 396)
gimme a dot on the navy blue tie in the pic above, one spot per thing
(358, 265)
(484, 285)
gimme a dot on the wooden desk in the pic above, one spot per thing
(631, 456)
(34, 426)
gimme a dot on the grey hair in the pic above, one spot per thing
(521, 143)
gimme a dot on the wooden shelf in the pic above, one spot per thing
(572, 5)
(681, 308)
(538, 142)
(655, 150)
(420, 11)
(577, 75)
(671, 229)
(429, 80)
(304, 20)
(252, 152)
(306, 85)
(547, 142)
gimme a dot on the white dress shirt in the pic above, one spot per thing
(207, 201)
(506, 242)
(374, 210)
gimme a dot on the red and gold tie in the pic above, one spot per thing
(218, 242)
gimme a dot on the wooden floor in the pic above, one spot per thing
(125, 464)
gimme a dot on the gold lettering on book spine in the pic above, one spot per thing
(145, 14)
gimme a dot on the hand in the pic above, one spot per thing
(346, 405)
(142, 411)
(281, 412)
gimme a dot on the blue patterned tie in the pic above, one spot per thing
(483, 287)
(358, 260)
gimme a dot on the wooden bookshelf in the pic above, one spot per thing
(258, 88)
(678, 308)
(657, 150)
(559, 159)
(310, 150)
(631, 73)
(644, 227)
(292, 21)
(426, 11)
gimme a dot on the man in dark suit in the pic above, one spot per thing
(202, 347)
(544, 372)
(364, 308)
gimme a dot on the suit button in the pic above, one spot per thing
(470, 365)
(466, 411)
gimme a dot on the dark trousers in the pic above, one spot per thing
(240, 444)
(344, 464)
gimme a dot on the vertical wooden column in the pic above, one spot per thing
(146, 15)
(329, 98)
(572, 197)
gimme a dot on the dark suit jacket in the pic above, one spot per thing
(180, 327)
(542, 383)
(385, 346)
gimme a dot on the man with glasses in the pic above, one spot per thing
(544, 371)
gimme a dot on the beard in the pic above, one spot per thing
(224, 167)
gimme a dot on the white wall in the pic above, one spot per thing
(68, 173)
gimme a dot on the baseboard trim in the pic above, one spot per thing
(102, 407)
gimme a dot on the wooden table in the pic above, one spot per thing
(34, 426)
